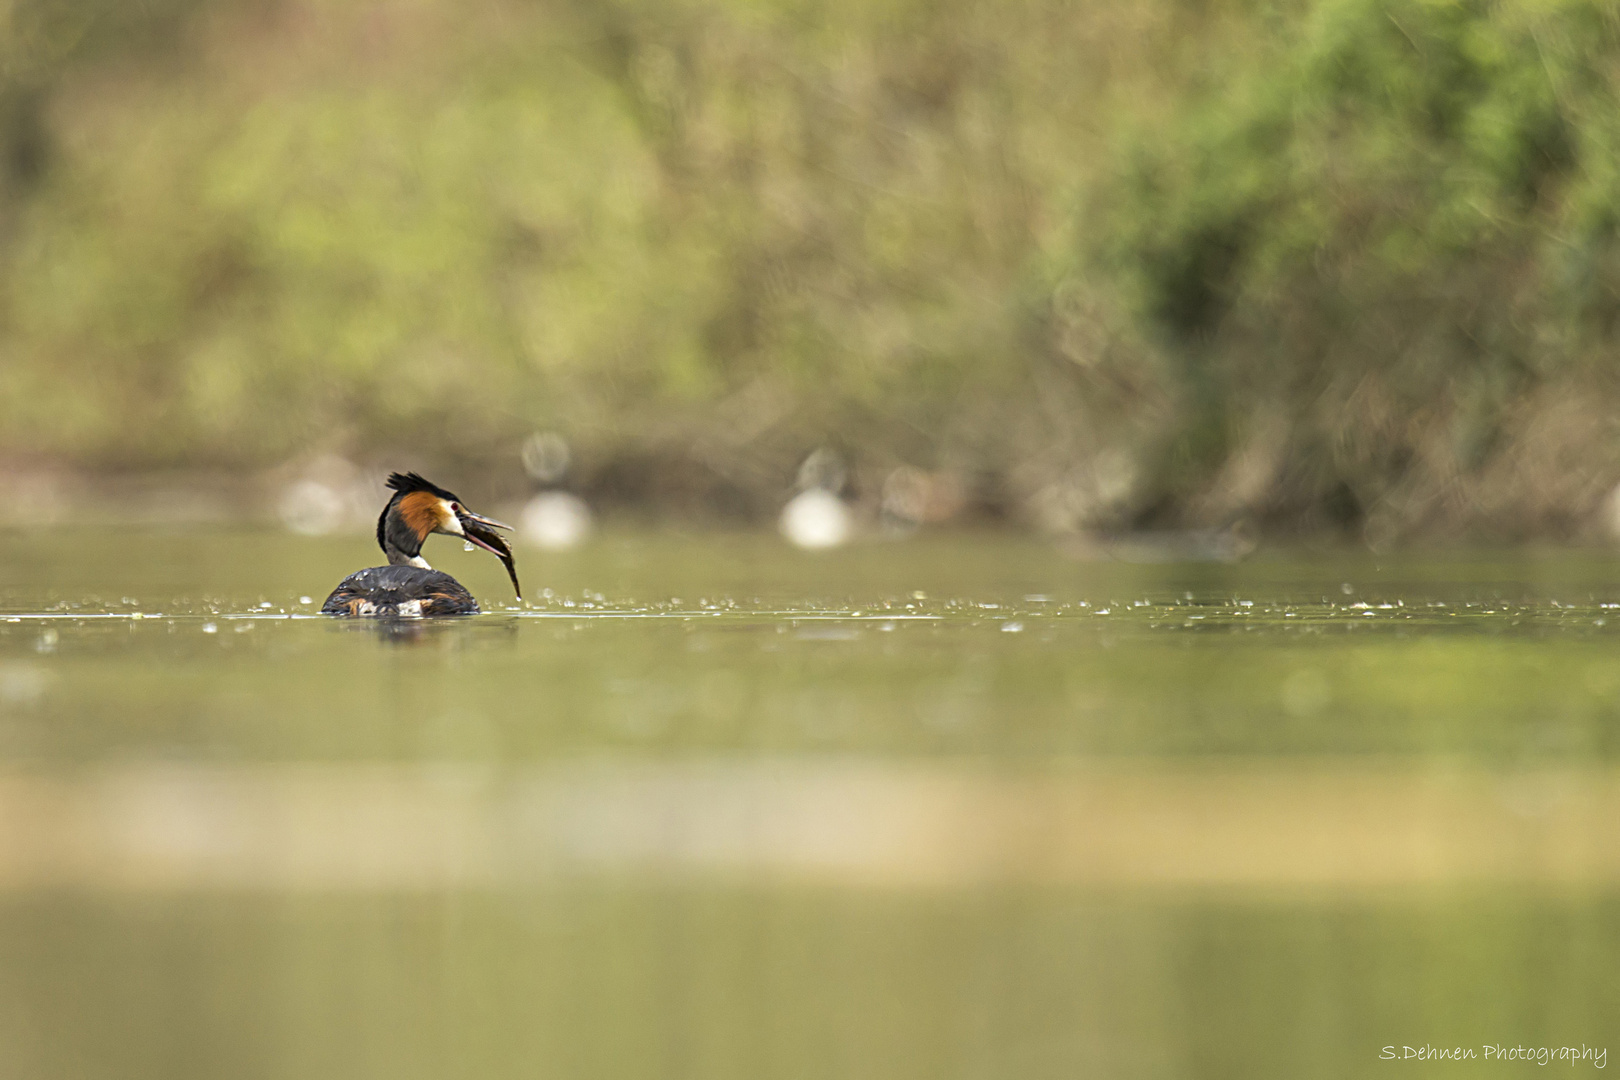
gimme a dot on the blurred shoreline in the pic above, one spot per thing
(292, 499)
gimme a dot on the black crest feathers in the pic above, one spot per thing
(405, 483)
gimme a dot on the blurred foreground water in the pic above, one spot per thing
(707, 807)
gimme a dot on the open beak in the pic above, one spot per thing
(480, 530)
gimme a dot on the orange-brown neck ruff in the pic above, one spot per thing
(420, 511)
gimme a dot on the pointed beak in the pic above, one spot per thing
(480, 530)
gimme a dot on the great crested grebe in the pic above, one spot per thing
(408, 586)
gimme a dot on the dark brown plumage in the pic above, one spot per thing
(404, 591)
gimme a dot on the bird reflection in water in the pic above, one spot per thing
(444, 634)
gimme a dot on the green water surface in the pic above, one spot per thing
(180, 648)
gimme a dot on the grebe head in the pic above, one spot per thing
(419, 509)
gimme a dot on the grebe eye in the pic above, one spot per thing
(456, 507)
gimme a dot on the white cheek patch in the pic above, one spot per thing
(452, 521)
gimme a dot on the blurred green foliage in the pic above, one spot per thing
(1344, 263)
(1393, 226)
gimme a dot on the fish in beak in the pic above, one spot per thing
(480, 530)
